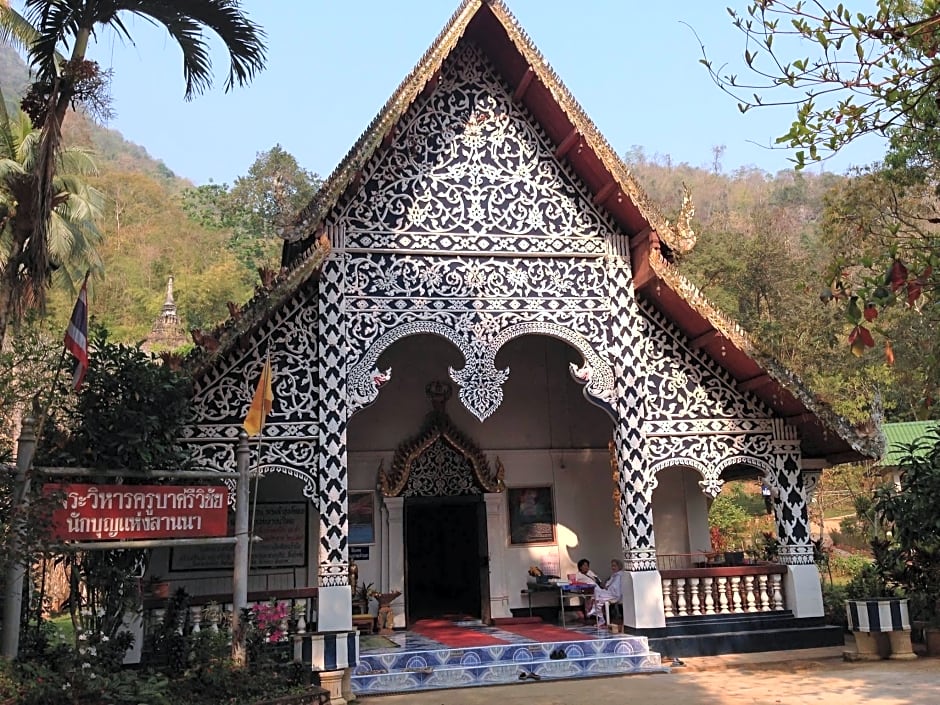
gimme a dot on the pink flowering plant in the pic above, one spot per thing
(269, 620)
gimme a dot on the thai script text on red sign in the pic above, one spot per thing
(112, 512)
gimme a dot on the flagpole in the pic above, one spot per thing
(263, 385)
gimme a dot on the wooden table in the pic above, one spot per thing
(565, 590)
(364, 623)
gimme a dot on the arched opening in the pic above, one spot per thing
(547, 435)
(680, 518)
(742, 515)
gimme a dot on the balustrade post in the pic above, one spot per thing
(776, 582)
(723, 595)
(764, 597)
(694, 597)
(749, 593)
(708, 583)
(667, 598)
(681, 604)
(736, 593)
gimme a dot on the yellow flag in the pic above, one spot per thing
(261, 402)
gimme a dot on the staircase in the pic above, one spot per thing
(726, 634)
(404, 669)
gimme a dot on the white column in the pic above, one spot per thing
(497, 540)
(801, 589)
(643, 599)
(395, 541)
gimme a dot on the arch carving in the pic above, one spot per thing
(440, 460)
(479, 380)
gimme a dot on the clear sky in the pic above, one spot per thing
(632, 64)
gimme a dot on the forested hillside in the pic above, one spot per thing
(765, 248)
(147, 235)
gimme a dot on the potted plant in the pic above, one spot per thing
(877, 615)
(157, 587)
(361, 598)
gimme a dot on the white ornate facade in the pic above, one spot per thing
(459, 216)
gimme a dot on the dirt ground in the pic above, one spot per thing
(821, 677)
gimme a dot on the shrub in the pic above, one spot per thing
(834, 597)
(910, 556)
(847, 566)
(729, 519)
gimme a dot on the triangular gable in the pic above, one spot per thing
(489, 25)
(470, 165)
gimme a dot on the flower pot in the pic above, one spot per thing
(882, 628)
(159, 590)
(932, 639)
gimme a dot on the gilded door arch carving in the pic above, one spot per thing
(440, 460)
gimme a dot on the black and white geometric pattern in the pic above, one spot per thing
(334, 418)
(222, 396)
(627, 332)
(467, 226)
(696, 417)
(434, 239)
(790, 506)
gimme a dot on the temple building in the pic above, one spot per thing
(168, 332)
(486, 360)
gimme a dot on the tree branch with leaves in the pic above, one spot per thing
(864, 73)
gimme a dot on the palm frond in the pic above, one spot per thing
(55, 22)
(184, 20)
(15, 29)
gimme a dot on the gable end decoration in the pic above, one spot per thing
(438, 428)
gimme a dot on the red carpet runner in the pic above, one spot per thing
(544, 632)
(449, 634)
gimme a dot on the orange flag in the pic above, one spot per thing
(261, 402)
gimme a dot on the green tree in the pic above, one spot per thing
(129, 413)
(910, 557)
(72, 234)
(72, 24)
(258, 207)
(863, 73)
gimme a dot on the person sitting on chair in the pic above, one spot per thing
(611, 592)
(586, 576)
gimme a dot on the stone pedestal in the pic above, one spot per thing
(901, 646)
(338, 683)
(866, 647)
(882, 628)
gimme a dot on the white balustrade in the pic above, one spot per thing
(707, 583)
(692, 595)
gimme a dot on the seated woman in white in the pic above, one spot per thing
(610, 592)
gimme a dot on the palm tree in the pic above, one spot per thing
(71, 231)
(59, 84)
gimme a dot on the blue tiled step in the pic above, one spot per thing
(490, 665)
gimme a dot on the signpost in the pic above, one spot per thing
(122, 512)
(103, 517)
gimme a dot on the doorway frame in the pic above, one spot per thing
(478, 503)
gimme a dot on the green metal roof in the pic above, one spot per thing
(901, 435)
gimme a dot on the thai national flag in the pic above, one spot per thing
(76, 336)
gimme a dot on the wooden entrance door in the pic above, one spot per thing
(443, 557)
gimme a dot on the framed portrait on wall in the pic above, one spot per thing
(531, 515)
(361, 518)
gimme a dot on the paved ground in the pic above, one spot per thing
(814, 677)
